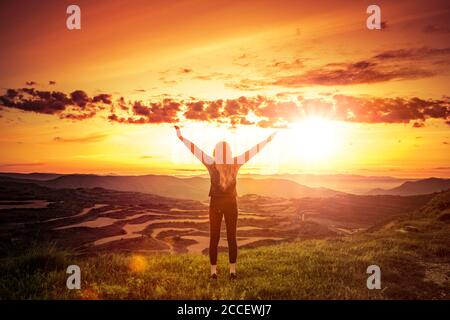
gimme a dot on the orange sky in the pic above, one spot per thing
(306, 53)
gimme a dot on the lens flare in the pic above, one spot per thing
(138, 264)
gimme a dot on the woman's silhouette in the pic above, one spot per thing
(223, 169)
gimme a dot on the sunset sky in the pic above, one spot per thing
(343, 98)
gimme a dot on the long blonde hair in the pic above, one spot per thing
(223, 161)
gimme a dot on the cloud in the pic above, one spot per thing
(165, 111)
(51, 82)
(412, 54)
(366, 71)
(250, 84)
(264, 111)
(389, 65)
(76, 105)
(31, 83)
(22, 164)
(188, 170)
(435, 28)
(390, 110)
(86, 139)
(213, 76)
(185, 70)
(78, 116)
(287, 65)
(196, 111)
(102, 98)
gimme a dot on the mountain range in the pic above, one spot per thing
(410, 188)
(196, 188)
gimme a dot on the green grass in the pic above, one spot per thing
(410, 262)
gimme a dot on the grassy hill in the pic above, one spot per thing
(413, 254)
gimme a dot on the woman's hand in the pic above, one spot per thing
(177, 128)
(272, 135)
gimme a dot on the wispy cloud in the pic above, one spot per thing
(85, 139)
(389, 65)
(22, 164)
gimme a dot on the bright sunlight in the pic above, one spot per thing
(318, 138)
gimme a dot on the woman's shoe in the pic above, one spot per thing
(233, 276)
(213, 276)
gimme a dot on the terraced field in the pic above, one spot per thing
(97, 220)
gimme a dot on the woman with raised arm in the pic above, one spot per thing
(223, 169)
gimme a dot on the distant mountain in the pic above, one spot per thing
(349, 183)
(409, 188)
(31, 176)
(195, 188)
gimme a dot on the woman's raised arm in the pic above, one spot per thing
(196, 151)
(246, 156)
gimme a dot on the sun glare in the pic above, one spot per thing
(138, 264)
(317, 138)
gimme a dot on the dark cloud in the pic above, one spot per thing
(259, 110)
(77, 105)
(80, 98)
(390, 110)
(196, 111)
(31, 83)
(166, 111)
(103, 98)
(51, 82)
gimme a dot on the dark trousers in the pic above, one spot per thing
(222, 207)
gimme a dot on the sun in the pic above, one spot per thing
(317, 138)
